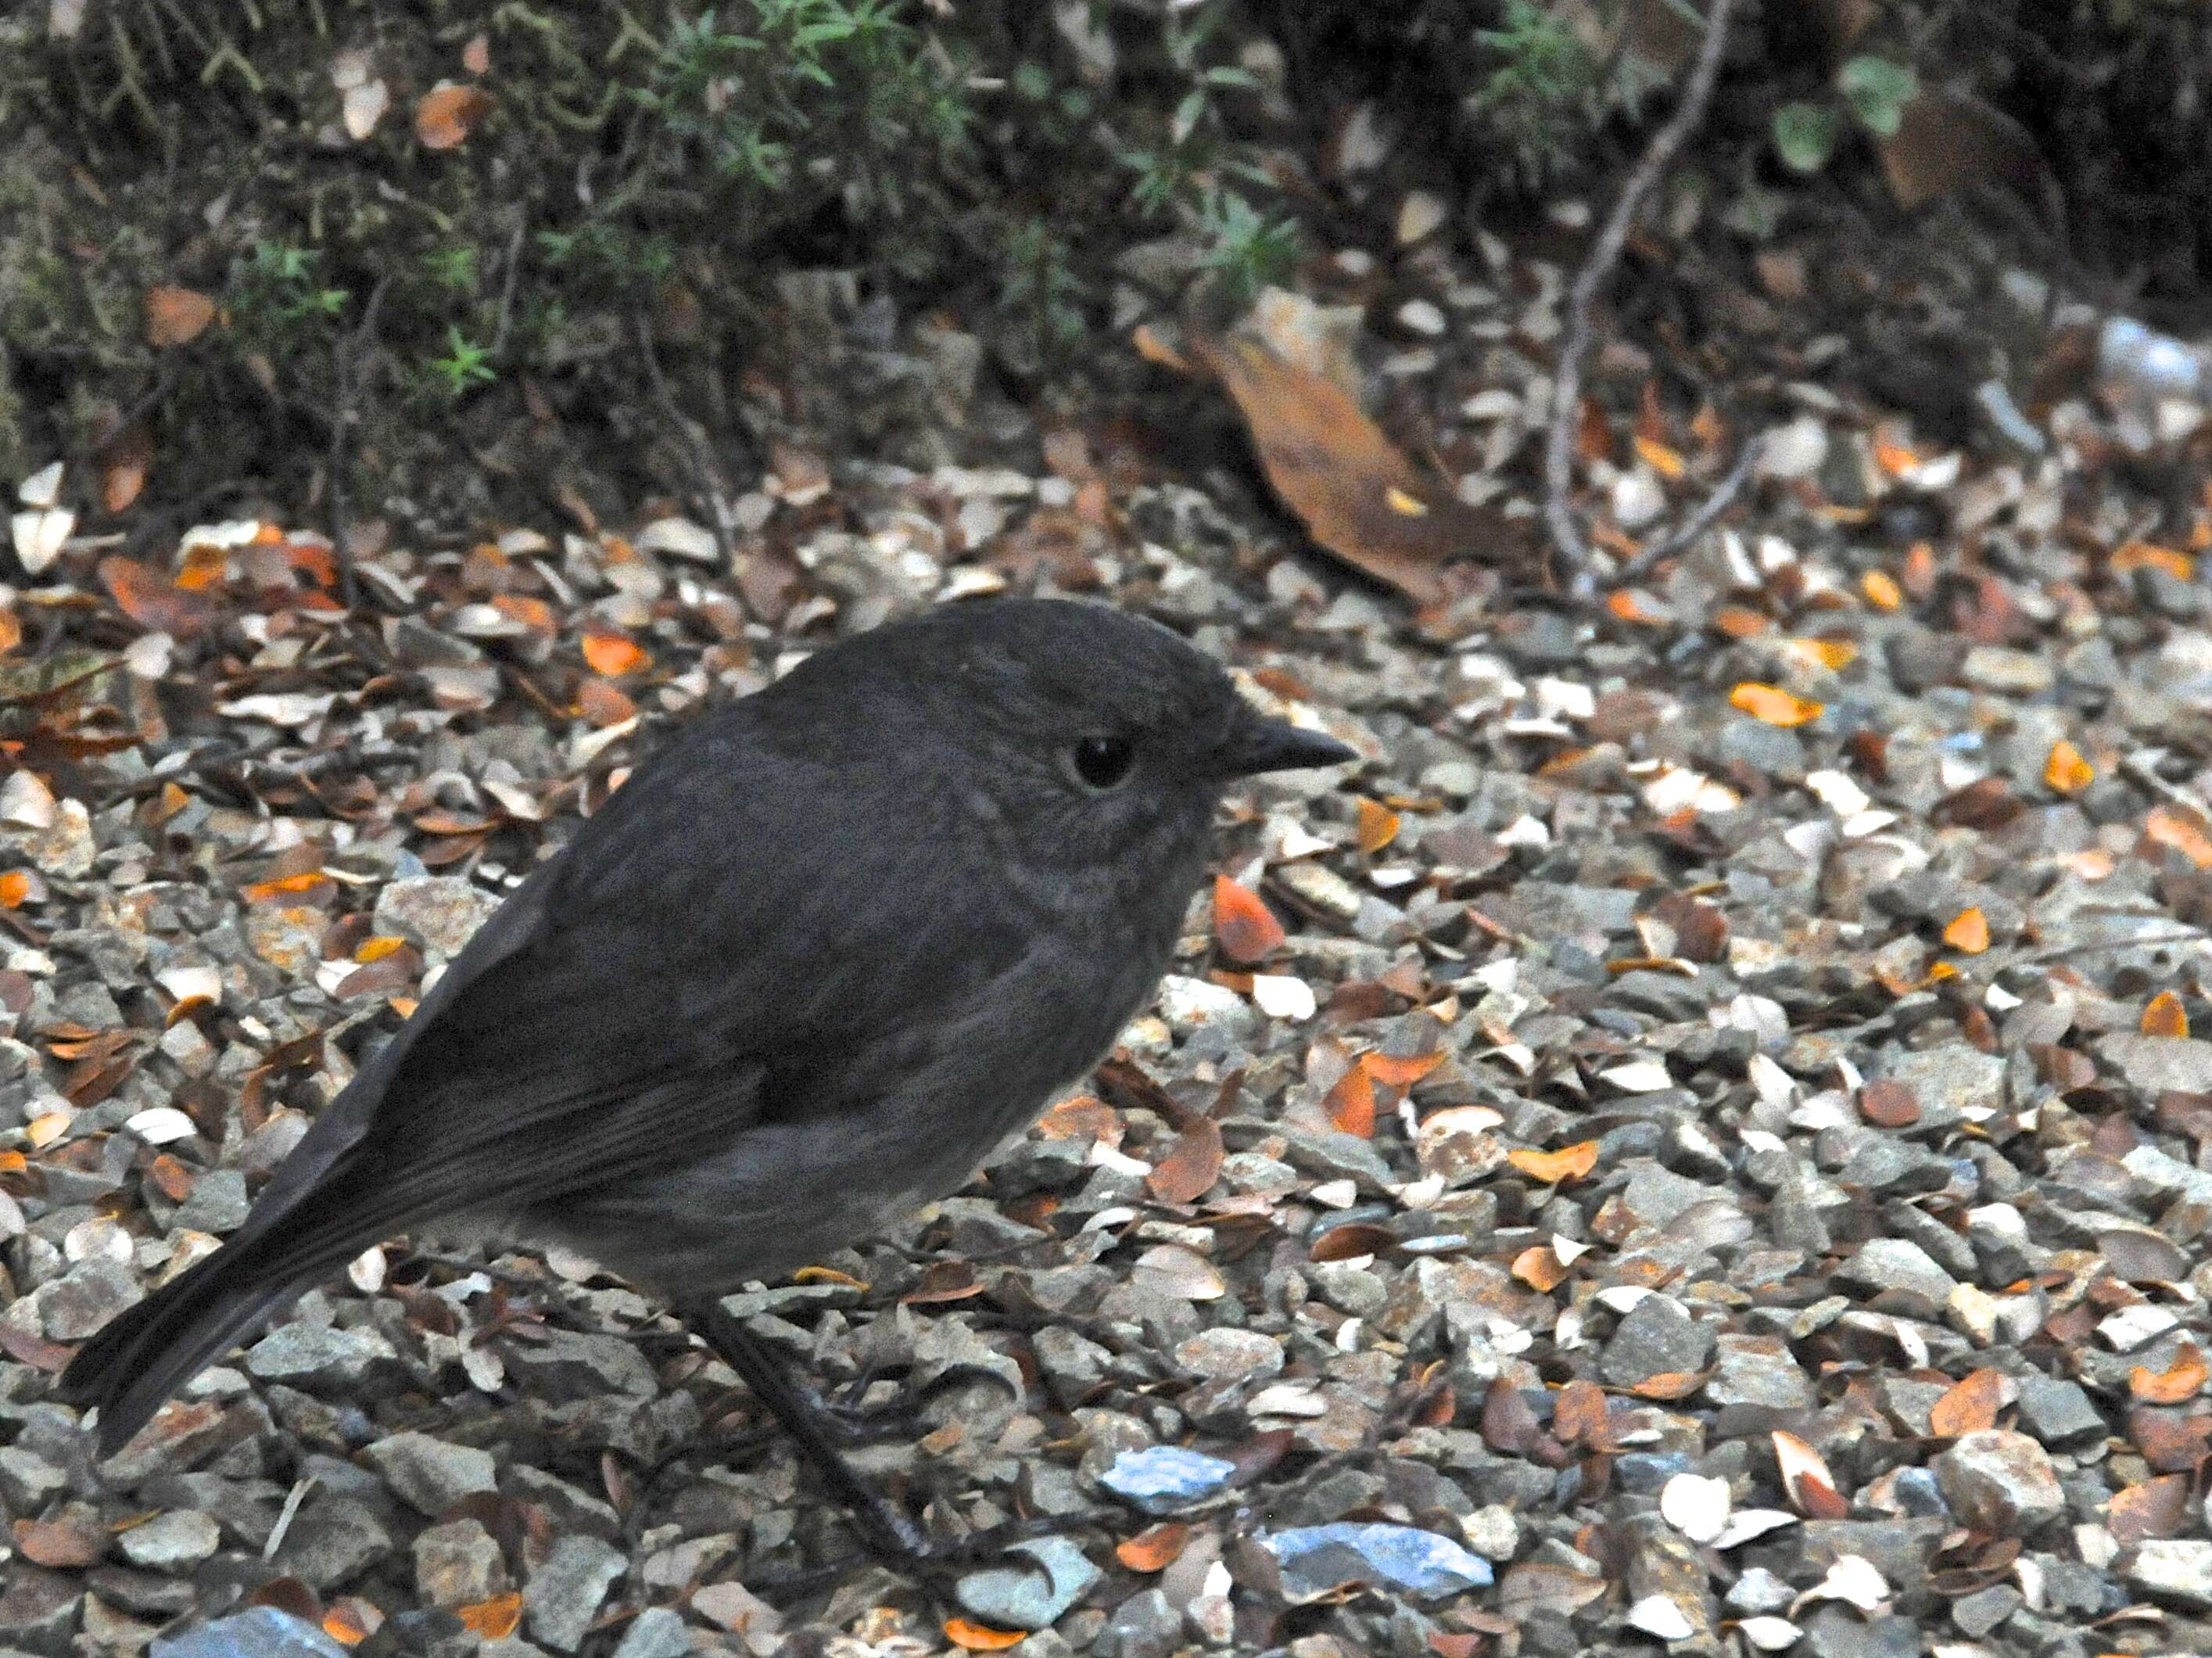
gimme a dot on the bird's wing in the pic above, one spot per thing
(729, 928)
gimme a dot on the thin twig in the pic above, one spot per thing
(702, 469)
(343, 363)
(2194, 935)
(507, 286)
(1582, 298)
(1722, 497)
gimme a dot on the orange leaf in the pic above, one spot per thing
(1244, 927)
(1153, 1549)
(1350, 1103)
(1739, 623)
(1579, 1414)
(2165, 1016)
(2174, 1387)
(1970, 1407)
(1968, 933)
(2142, 555)
(202, 567)
(1805, 1476)
(1772, 705)
(376, 948)
(262, 890)
(1347, 481)
(176, 315)
(15, 889)
(2184, 832)
(343, 1624)
(151, 600)
(1538, 1266)
(1881, 589)
(493, 1619)
(1390, 1072)
(2066, 772)
(1835, 654)
(446, 115)
(978, 1638)
(612, 654)
(1378, 825)
(534, 613)
(603, 702)
(1667, 462)
(1669, 1385)
(1554, 1167)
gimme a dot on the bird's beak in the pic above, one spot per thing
(1258, 744)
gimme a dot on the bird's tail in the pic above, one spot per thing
(147, 1351)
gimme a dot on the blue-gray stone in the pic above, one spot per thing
(1022, 1596)
(258, 1632)
(1315, 1560)
(1161, 1478)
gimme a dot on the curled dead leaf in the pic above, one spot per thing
(1806, 1477)
(1155, 1548)
(446, 115)
(1243, 925)
(1969, 1407)
(1772, 705)
(1555, 1167)
(2163, 1015)
(176, 316)
(2180, 1381)
(1968, 932)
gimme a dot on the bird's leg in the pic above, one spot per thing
(889, 1534)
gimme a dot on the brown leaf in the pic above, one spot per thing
(1539, 1267)
(1669, 1385)
(1350, 1103)
(1889, 1104)
(2157, 1507)
(1579, 1415)
(445, 116)
(1805, 1476)
(34, 1351)
(493, 1619)
(154, 601)
(2182, 1381)
(1946, 141)
(1358, 497)
(2165, 1016)
(1244, 927)
(1553, 1167)
(1970, 1407)
(73, 1539)
(175, 316)
(1378, 825)
(1352, 1238)
(2181, 829)
(1509, 1424)
(1155, 1548)
(1192, 1162)
(1400, 1072)
(2170, 1442)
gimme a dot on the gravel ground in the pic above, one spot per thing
(1697, 1144)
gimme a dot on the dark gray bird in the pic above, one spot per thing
(796, 979)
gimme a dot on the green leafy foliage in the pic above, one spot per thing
(1805, 135)
(1542, 96)
(1878, 89)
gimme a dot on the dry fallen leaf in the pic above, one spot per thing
(1358, 497)
(1244, 927)
(1968, 932)
(1155, 1548)
(446, 115)
(2179, 1382)
(1378, 825)
(2165, 1016)
(2181, 829)
(2148, 555)
(977, 1637)
(613, 655)
(1881, 589)
(1805, 1476)
(1772, 705)
(1969, 1407)
(2066, 772)
(493, 1619)
(1553, 1167)
(1350, 1103)
(176, 315)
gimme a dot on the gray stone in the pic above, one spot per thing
(457, 1564)
(2156, 1063)
(333, 1540)
(1315, 1560)
(1758, 1371)
(1228, 1354)
(2174, 1569)
(656, 1632)
(257, 1632)
(2000, 1482)
(1016, 1597)
(1657, 1336)
(429, 1475)
(1836, 1631)
(217, 1203)
(1160, 1478)
(2056, 1411)
(1947, 1079)
(77, 1304)
(316, 1352)
(1881, 1265)
(564, 1594)
(172, 1542)
(442, 910)
(570, 1365)
(1146, 1625)
(1977, 1613)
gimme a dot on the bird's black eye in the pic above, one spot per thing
(1102, 762)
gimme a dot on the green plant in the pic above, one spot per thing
(1543, 94)
(465, 366)
(453, 265)
(1874, 89)
(1246, 250)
